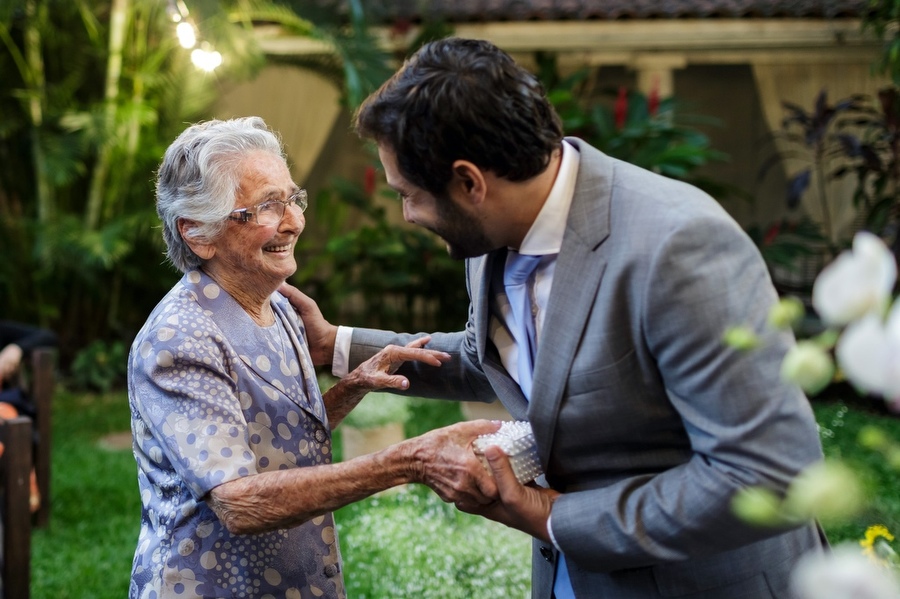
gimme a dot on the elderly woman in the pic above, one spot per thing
(232, 435)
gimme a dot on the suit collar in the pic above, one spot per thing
(589, 216)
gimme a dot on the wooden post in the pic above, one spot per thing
(42, 386)
(16, 469)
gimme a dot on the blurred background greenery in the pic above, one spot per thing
(94, 90)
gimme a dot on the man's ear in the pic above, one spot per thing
(469, 180)
(203, 249)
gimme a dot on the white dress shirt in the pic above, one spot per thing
(544, 238)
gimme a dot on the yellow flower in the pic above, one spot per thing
(873, 534)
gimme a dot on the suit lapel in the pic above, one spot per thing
(576, 278)
(478, 273)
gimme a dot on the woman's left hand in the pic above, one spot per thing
(378, 371)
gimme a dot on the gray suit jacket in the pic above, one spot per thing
(644, 419)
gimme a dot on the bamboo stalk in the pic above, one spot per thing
(36, 84)
(117, 26)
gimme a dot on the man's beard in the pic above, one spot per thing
(464, 236)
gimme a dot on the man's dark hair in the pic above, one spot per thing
(462, 99)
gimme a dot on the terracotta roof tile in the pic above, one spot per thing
(527, 10)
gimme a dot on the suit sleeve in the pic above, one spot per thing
(746, 427)
(461, 379)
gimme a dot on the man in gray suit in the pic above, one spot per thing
(647, 425)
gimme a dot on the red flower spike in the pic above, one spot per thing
(621, 108)
(369, 180)
(772, 233)
(653, 99)
(400, 27)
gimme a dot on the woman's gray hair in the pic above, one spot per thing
(199, 178)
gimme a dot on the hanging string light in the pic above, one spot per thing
(176, 10)
(206, 58)
(203, 57)
(187, 37)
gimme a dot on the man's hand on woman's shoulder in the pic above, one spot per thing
(320, 334)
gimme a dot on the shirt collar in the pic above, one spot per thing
(546, 233)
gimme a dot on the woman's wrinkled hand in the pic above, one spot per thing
(378, 371)
(444, 460)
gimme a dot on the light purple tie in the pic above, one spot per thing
(519, 268)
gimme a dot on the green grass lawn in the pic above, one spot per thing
(839, 427)
(86, 550)
(405, 544)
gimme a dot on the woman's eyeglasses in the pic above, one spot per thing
(271, 212)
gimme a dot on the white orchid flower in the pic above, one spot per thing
(869, 354)
(844, 573)
(858, 282)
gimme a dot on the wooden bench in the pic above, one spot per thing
(19, 457)
(15, 470)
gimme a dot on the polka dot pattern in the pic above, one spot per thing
(215, 397)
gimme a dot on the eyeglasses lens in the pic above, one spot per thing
(269, 213)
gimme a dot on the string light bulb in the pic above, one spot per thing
(176, 10)
(204, 57)
(186, 34)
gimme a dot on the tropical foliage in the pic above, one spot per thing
(93, 92)
(646, 130)
(855, 139)
(880, 19)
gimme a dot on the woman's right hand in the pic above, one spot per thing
(378, 371)
(444, 460)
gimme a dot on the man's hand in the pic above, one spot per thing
(525, 508)
(319, 332)
(444, 460)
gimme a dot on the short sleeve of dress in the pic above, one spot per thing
(188, 418)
